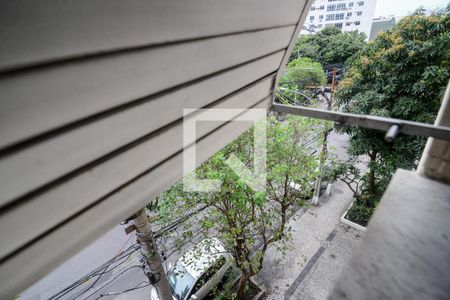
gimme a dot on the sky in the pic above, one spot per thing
(400, 8)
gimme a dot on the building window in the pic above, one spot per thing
(348, 23)
(330, 17)
(357, 23)
(350, 4)
(313, 8)
(328, 25)
(340, 6)
(311, 18)
(319, 26)
(360, 3)
(339, 17)
(322, 7)
(331, 7)
(359, 13)
(320, 17)
(338, 25)
(349, 14)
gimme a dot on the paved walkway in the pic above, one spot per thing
(321, 246)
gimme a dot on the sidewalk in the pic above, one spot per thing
(321, 246)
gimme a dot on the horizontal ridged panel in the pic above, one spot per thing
(40, 257)
(40, 100)
(56, 156)
(92, 97)
(33, 32)
(78, 192)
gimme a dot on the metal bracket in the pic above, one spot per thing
(130, 229)
(367, 121)
(391, 133)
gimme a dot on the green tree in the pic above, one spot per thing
(249, 223)
(300, 74)
(401, 74)
(304, 71)
(329, 46)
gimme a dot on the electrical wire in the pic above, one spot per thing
(123, 246)
(112, 280)
(137, 287)
(103, 273)
(178, 247)
(96, 272)
(172, 226)
(118, 259)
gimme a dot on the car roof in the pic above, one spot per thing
(197, 260)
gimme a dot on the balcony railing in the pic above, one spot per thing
(391, 126)
(404, 253)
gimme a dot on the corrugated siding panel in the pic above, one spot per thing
(114, 80)
(77, 192)
(35, 32)
(82, 144)
(42, 253)
(92, 103)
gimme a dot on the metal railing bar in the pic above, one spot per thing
(367, 121)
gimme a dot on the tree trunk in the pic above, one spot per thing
(372, 187)
(372, 181)
(240, 293)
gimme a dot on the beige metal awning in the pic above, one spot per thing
(92, 98)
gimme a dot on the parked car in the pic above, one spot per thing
(296, 186)
(198, 271)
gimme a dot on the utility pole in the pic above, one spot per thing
(324, 150)
(157, 275)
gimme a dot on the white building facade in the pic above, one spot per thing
(347, 15)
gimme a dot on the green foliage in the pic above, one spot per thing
(248, 223)
(401, 74)
(360, 213)
(304, 71)
(346, 171)
(329, 46)
(299, 74)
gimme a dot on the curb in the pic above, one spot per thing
(262, 292)
(347, 222)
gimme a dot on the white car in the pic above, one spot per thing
(198, 271)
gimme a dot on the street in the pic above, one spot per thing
(314, 227)
(82, 263)
(321, 246)
(123, 275)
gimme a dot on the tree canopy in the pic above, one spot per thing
(303, 71)
(299, 74)
(249, 222)
(330, 46)
(401, 74)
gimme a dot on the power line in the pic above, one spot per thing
(178, 247)
(96, 272)
(102, 273)
(121, 257)
(123, 246)
(169, 228)
(138, 286)
(113, 279)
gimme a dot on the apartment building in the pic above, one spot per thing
(347, 15)
(379, 25)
